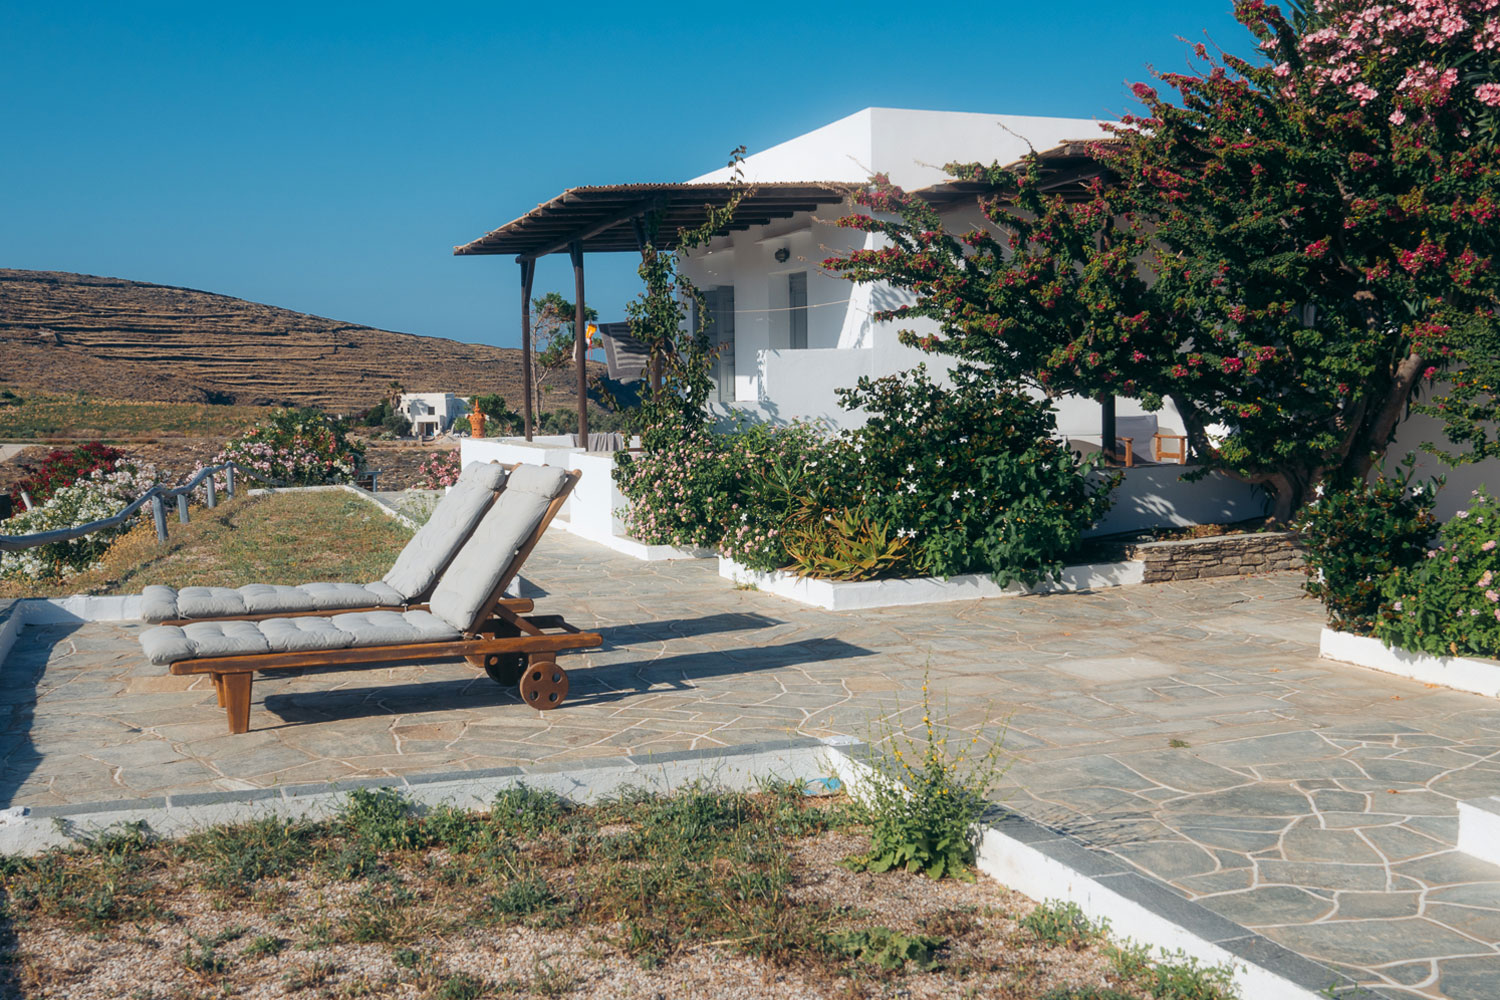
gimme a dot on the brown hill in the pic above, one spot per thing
(121, 339)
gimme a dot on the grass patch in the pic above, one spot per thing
(35, 416)
(386, 898)
(287, 538)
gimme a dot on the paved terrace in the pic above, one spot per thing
(1188, 729)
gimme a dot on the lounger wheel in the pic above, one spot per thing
(545, 684)
(504, 669)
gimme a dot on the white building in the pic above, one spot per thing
(431, 412)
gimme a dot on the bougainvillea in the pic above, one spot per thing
(1318, 223)
(64, 467)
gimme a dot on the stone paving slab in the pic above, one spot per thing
(1187, 731)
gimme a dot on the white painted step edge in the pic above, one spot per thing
(1462, 673)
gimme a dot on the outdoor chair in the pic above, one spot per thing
(407, 585)
(466, 617)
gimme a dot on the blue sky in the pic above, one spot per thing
(327, 157)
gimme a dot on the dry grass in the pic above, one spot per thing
(46, 415)
(706, 894)
(285, 538)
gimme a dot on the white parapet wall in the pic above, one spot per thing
(839, 595)
(1479, 828)
(1462, 673)
(591, 512)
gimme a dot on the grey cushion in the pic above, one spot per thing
(417, 567)
(168, 643)
(386, 596)
(331, 596)
(292, 635)
(389, 628)
(158, 603)
(474, 573)
(266, 598)
(210, 602)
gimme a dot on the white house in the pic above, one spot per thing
(431, 412)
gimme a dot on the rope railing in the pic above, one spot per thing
(157, 496)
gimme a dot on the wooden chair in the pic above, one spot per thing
(1177, 454)
(512, 647)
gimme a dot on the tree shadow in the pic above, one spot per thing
(685, 628)
(24, 667)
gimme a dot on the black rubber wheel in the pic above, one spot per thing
(505, 669)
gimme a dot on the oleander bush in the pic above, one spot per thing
(440, 469)
(293, 447)
(100, 494)
(64, 467)
(1449, 602)
(1358, 536)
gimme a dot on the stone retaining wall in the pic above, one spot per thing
(1221, 555)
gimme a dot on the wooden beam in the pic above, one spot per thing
(528, 272)
(580, 343)
(608, 222)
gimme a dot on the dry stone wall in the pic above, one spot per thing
(1221, 555)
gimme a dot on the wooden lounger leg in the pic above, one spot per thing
(218, 680)
(237, 700)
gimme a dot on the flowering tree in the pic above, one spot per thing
(296, 448)
(1317, 226)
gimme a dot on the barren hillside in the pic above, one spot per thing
(134, 340)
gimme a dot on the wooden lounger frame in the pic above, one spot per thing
(515, 604)
(500, 628)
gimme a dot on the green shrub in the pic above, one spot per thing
(1357, 536)
(64, 467)
(523, 811)
(102, 493)
(235, 857)
(1449, 603)
(923, 800)
(887, 949)
(384, 820)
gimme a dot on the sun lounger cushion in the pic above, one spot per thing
(194, 641)
(417, 567)
(474, 573)
(412, 575)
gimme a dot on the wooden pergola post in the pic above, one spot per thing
(528, 271)
(580, 343)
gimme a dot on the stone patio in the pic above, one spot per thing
(1187, 729)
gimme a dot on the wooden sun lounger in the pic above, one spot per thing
(511, 646)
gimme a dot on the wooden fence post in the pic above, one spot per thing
(159, 515)
(213, 491)
(229, 478)
(182, 511)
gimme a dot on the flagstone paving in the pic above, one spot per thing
(1188, 729)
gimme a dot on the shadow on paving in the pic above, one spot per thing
(590, 685)
(685, 628)
(25, 666)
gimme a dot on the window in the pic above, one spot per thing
(796, 301)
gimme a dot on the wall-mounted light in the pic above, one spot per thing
(782, 254)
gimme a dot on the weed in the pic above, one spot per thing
(352, 861)
(385, 820)
(887, 949)
(406, 958)
(235, 857)
(460, 987)
(318, 934)
(951, 923)
(521, 898)
(923, 800)
(1178, 744)
(310, 976)
(204, 960)
(522, 811)
(89, 890)
(1177, 976)
(1086, 993)
(263, 946)
(1058, 924)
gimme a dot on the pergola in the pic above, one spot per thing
(612, 219)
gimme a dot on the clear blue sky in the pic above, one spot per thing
(327, 157)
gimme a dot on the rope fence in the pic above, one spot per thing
(156, 496)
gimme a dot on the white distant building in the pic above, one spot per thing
(431, 412)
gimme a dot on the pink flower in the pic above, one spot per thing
(1488, 546)
(1488, 93)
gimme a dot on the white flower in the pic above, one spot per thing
(940, 463)
(1318, 491)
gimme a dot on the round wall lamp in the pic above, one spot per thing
(782, 254)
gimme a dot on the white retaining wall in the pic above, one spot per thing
(1478, 676)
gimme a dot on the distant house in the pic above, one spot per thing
(431, 412)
